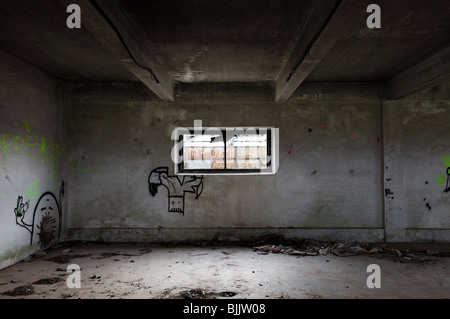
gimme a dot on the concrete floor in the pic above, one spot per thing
(161, 272)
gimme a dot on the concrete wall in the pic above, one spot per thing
(417, 156)
(32, 148)
(329, 185)
(352, 167)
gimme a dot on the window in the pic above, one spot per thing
(225, 151)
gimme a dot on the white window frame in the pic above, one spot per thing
(272, 150)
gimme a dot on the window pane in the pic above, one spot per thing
(207, 151)
(204, 151)
(247, 151)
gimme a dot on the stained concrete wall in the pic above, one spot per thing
(329, 185)
(32, 150)
(352, 166)
(417, 159)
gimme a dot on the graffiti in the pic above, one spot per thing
(442, 178)
(177, 188)
(32, 191)
(45, 224)
(35, 147)
(20, 211)
(447, 188)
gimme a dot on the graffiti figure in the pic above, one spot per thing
(20, 211)
(447, 188)
(45, 225)
(177, 188)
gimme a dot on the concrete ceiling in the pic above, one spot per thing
(36, 33)
(287, 42)
(410, 32)
(221, 41)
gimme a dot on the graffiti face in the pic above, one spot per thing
(176, 204)
(46, 221)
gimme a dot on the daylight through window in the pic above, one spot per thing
(226, 151)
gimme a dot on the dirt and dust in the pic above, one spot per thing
(48, 281)
(25, 290)
(272, 268)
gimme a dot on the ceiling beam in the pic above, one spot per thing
(433, 71)
(117, 32)
(326, 23)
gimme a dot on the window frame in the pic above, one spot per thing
(271, 146)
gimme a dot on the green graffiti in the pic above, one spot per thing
(444, 176)
(36, 147)
(441, 179)
(446, 160)
(32, 191)
(27, 127)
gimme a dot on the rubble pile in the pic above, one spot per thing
(311, 247)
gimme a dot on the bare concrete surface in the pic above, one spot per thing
(148, 271)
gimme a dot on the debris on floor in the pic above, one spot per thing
(68, 255)
(48, 281)
(66, 258)
(312, 247)
(40, 254)
(20, 291)
(196, 294)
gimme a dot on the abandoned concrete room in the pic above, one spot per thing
(227, 150)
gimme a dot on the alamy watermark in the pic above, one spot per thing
(374, 19)
(74, 279)
(374, 279)
(74, 19)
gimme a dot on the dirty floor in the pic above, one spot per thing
(143, 271)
